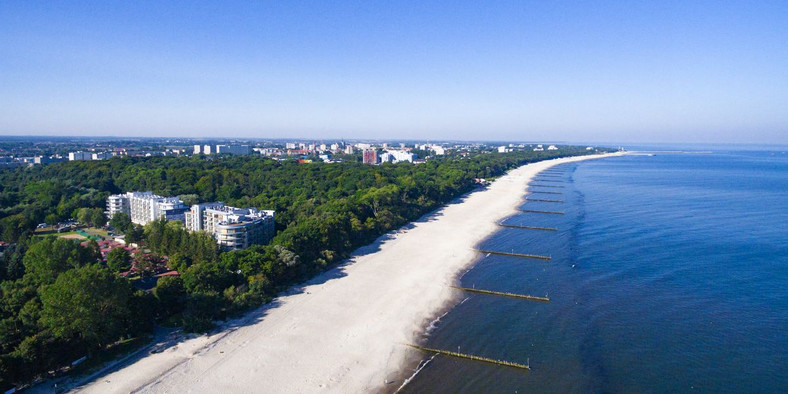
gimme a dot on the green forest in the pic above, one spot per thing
(61, 302)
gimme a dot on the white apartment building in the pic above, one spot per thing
(144, 207)
(80, 156)
(233, 228)
(396, 156)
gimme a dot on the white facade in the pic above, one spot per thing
(502, 149)
(233, 228)
(117, 203)
(144, 207)
(438, 150)
(197, 149)
(552, 147)
(80, 156)
(396, 156)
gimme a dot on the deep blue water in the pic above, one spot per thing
(669, 273)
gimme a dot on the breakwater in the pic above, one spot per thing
(503, 294)
(472, 357)
(528, 227)
(513, 254)
(538, 211)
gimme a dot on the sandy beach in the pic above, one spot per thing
(344, 330)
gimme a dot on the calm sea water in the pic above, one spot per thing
(669, 273)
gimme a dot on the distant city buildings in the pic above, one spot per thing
(232, 228)
(223, 149)
(80, 156)
(87, 156)
(370, 156)
(241, 150)
(48, 159)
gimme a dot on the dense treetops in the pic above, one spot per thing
(60, 301)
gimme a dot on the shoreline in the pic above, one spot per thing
(343, 330)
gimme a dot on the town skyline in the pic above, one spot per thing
(604, 72)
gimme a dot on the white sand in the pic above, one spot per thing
(344, 332)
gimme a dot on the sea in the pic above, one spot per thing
(668, 273)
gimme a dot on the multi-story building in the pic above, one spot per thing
(74, 156)
(144, 207)
(233, 228)
(223, 149)
(101, 155)
(396, 156)
(234, 149)
(118, 203)
(370, 156)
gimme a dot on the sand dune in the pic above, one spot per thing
(344, 330)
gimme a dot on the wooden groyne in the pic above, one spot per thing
(551, 176)
(538, 185)
(513, 254)
(548, 180)
(536, 211)
(503, 294)
(530, 192)
(528, 227)
(542, 200)
(472, 357)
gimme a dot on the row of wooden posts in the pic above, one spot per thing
(457, 354)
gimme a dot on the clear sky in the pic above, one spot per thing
(630, 71)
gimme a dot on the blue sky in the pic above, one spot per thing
(685, 71)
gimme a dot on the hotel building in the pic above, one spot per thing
(233, 228)
(144, 207)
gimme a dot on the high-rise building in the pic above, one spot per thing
(233, 228)
(370, 156)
